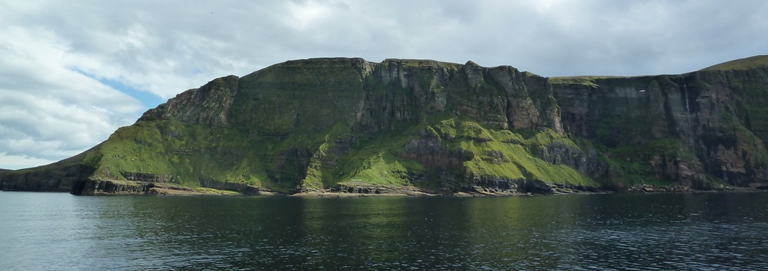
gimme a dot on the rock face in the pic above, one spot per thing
(695, 129)
(342, 124)
(57, 179)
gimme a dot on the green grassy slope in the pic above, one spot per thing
(740, 64)
(225, 155)
(306, 125)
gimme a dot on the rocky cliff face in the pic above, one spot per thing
(353, 125)
(696, 129)
(58, 179)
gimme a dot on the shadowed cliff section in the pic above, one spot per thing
(55, 177)
(403, 126)
(698, 129)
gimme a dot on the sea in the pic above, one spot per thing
(695, 231)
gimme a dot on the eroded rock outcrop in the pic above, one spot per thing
(208, 104)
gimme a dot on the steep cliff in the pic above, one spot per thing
(698, 129)
(56, 177)
(351, 125)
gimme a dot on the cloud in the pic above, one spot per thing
(65, 63)
(49, 111)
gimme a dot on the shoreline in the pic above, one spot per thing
(410, 192)
(516, 194)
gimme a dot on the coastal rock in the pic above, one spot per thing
(57, 178)
(99, 187)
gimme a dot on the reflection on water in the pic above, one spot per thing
(41, 231)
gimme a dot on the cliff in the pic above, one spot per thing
(351, 125)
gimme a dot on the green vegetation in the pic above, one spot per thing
(506, 154)
(740, 64)
(633, 163)
(579, 80)
(192, 153)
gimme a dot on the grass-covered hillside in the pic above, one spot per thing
(324, 123)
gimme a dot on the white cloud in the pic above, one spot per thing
(49, 111)
(304, 15)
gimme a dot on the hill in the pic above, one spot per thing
(741, 64)
(422, 126)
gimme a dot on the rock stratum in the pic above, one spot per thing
(349, 125)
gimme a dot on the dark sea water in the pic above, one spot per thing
(715, 231)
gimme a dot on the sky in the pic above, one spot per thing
(72, 72)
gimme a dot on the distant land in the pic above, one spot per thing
(423, 127)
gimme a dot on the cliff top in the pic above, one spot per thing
(578, 80)
(740, 64)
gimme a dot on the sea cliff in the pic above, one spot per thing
(350, 125)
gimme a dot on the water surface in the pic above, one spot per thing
(714, 231)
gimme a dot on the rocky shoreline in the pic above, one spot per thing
(109, 188)
(330, 193)
(71, 181)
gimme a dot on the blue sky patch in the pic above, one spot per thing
(148, 99)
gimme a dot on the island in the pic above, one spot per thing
(423, 127)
